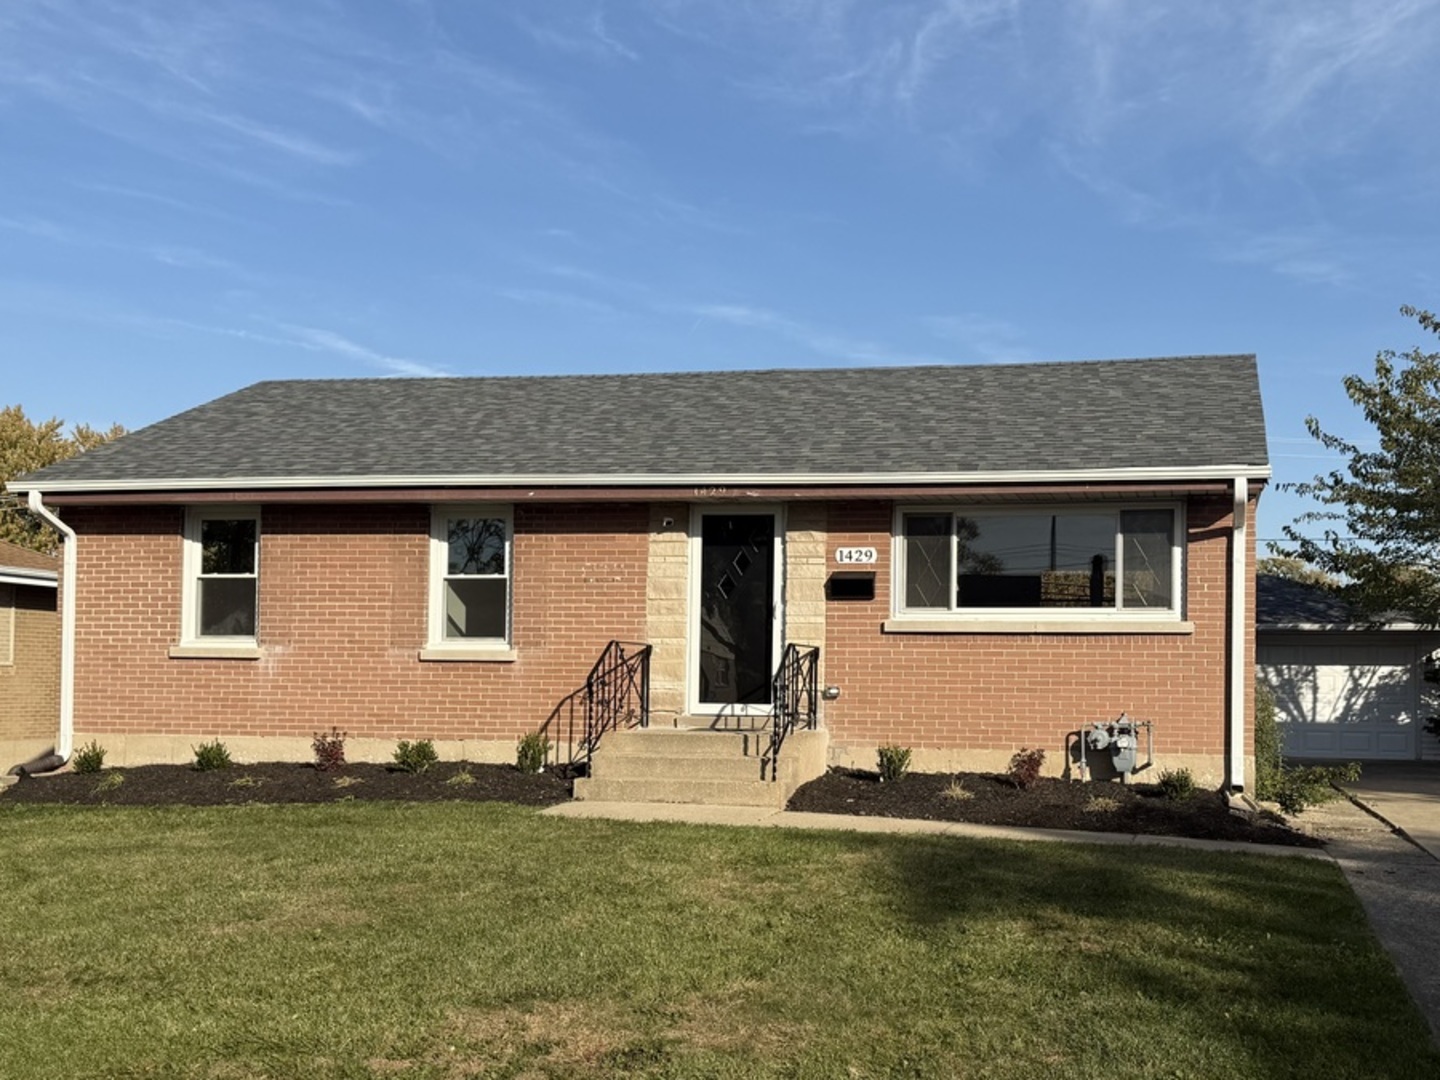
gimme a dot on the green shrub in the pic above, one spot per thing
(89, 758)
(1177, 784)
(1294, 788)
(1025, 767)
(211, 755)
(329, 750)
(1269, 763)
(415, 757)
(531, 752)
(1300, 787)
(894, 762)
(110, 781)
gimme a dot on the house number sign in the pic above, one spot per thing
(858, 556)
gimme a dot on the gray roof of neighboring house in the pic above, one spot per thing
(1183, 413)
(1284, 603)
(20, 565)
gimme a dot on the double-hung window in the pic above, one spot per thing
(1059, 562)
(222, 575)
(470, 556)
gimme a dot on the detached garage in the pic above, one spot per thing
(1344, 690)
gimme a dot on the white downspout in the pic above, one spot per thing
(65, 739)
(1240, 631)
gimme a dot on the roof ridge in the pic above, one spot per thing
(870, 369)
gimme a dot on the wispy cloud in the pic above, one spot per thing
(992, 340)
(287, 336)
(585, 36)
(318, 340)
(1302, 256)
(823, 342)
(557, 299)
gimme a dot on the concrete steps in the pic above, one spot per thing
(704, 767)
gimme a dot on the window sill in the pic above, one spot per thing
(215, 652)
(470, 655)
(1036, 626)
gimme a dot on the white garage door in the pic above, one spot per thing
(1344, 701)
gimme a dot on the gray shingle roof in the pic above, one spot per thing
(1282, 602)
(1185, 412)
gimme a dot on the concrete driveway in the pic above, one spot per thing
(1391, 857)
(1407, 795)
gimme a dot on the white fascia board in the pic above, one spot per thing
(258, 483)
(40, 579)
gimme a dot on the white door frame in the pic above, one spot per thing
(698, 511)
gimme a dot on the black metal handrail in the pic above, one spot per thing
(617, 692)
(793, 697)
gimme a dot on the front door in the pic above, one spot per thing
(735, 612)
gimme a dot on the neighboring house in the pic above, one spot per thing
(986, 557)
(29, 654)
(1345, 688)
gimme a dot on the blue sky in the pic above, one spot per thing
(194, 197)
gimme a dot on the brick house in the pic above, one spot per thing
(974, 559)
(29, 653)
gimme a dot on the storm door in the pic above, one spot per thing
(735, 613)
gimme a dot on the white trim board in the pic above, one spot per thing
(739, 480)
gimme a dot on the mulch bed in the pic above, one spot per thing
(1050, 804)
(287, 782)
(987, 799)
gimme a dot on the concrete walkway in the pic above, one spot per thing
(1396, 881)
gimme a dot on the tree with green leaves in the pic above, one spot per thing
(1381, 532)
(27, 445)
(1292, 568)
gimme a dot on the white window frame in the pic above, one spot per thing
(9, 601)
(438, 646)
(1093, 615)
(195, 516)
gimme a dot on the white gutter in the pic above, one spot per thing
(40, 579)
(708, 480)
(1239, 635)
(64, 741)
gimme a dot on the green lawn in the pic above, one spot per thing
(360, 940)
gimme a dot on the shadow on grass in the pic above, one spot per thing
(1267, 962)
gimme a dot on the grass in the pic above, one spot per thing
(449, 940)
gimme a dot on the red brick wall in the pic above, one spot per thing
(343, 593)
(1005, 691)
(30, 685)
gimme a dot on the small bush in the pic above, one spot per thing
(1177, 784)
(956, 791)
(894, 762)
(1025, 767)
(1300, 787)
(110, 781)
(1268, 760)
(89, 758)
(329, 750)
(531, 752)
(1294, 787)
(415, 757)
(211, 755)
